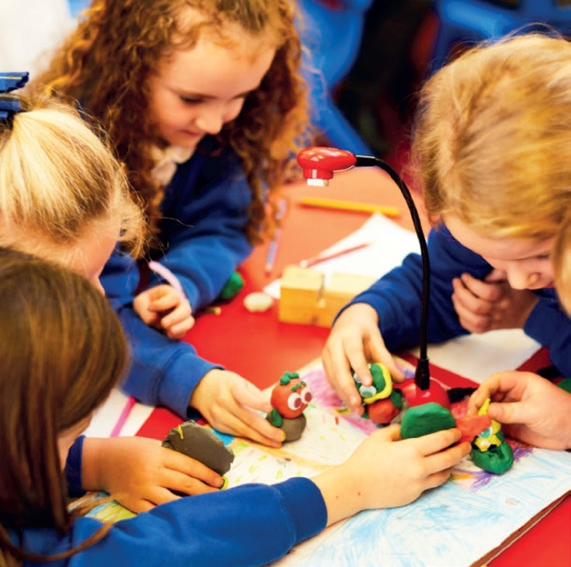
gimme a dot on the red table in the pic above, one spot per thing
(260, 348)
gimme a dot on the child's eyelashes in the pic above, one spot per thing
(191, 101)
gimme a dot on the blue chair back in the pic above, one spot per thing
(467, 22)
(331, 32)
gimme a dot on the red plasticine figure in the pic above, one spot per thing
(289, 400)
(382, 402)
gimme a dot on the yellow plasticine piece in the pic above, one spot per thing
(484, 409)
(484, 442)
(179, 429)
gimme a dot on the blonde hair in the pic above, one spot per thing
(492, 140)
(59, 181)
(562, 264)
(106, 63)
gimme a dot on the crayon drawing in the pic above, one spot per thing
(455, 525)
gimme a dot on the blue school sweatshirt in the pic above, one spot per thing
(245, 526)
(205, 211)
(396, 297)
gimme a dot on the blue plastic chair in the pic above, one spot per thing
(467, 22)
(331, 32)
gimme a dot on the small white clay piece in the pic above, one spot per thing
(258, 302)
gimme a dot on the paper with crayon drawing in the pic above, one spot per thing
(459, 524)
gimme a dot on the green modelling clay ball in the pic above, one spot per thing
(424, 419)
(497, 459)
(232, 287)
(565, 384)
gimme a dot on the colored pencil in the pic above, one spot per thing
(129, 405)
(272, 251)
(324, 257)
(273, 248)
(349, 206)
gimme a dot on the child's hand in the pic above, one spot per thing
(528, 406)
(140, 474)
(354, 341)
(231, 404)
(163, 307)
(386, 471)
(485, 305)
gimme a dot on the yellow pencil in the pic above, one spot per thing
(349, 206)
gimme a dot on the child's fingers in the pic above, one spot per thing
(186, 484)
(496, 276)
(243, 422)
(437, 479)
(167, 301)
(175, 462)
(178, 321)
(446, 459)
(154, 496)
(489, 290)
(179, 331)
(341, 379)
(248, 395)
(433, 443)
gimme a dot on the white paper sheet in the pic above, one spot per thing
(390, 243)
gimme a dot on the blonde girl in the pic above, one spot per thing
(492, 143)
(64, 197)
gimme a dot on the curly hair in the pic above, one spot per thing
(107, 60)
(562, 263)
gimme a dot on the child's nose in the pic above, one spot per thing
(521, 279)
(210, 121)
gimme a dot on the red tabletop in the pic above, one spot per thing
(260, 348)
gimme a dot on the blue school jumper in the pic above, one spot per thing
(205, 211)
(246, 526)
(396, 297)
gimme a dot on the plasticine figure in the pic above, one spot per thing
(289, 400)
(202, 444)
(382, 402)
(490, 450)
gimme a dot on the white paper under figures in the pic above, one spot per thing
(454, 525)
(451, 526)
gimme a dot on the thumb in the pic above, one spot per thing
(507, 412)
(249, 395)
(391, 432)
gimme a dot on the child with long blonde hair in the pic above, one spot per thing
(64, 197)
(206, 106)
(492, 144)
